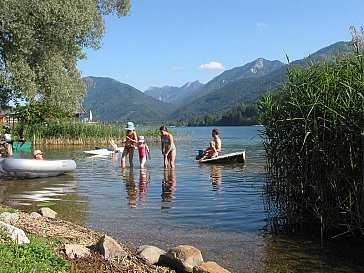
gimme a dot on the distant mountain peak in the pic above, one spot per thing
(259, 63)
(172, 93)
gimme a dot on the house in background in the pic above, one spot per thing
(80, 113)
(7, 116)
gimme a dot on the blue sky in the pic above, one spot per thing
(172, 42)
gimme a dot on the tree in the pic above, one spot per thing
(40, 44)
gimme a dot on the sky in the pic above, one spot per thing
(172, 42)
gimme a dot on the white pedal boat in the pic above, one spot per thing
(31, 168)
(238, 157)
(104, 151)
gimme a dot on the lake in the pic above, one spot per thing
(218, 209)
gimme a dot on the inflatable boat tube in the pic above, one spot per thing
(31, 168)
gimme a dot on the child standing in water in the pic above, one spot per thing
(143, 151)
(131, 140)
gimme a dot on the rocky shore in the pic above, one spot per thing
(91, 251)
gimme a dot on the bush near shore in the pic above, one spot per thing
(314, 140)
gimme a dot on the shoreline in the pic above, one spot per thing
(71, 233)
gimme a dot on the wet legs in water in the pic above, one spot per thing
(126, 152)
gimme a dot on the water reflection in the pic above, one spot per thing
(130, 186)
(144, 181)
(216, 177)
(168, 188)
(305, 253)
(59, 192)
(136, 193)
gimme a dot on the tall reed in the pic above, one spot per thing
(80, 133)
(314, 142)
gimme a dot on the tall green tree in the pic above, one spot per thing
(41, 42)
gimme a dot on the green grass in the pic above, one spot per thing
(81, 133)
(38, 256)
(7, 210)
(46, 204)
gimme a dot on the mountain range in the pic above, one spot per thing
(113, 101)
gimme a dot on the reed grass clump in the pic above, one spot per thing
(314, 140)
(82, 133)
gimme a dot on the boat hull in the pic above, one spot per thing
(238, 157)
(31, 168)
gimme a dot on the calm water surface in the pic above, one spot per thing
(218, 209)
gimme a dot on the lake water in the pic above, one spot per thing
(218, 209)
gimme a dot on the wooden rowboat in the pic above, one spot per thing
(237, 157)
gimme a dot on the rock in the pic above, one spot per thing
(209, 267)
(35, 215)
(183, 257)
(109, 248)
(150, 253)
(47, 212)
(16, 234)
(9, 218)
(74, 251)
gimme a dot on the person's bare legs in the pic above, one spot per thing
(123, 157)
(142, 161)
(131, 155)
(165, 157)
(172, 158)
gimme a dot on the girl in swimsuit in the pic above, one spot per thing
(131, 140)
(168, 148)
(143, 151)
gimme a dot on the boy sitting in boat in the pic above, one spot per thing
(210, 152)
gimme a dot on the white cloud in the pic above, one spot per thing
(176, 67)
(127, 76)
(262, 25)
(211, 66)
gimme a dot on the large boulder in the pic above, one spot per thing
(150, 253)
(74, 251)
(9, 218)
(209, 267)
(47, 212)
(16, 234)
(109, 248)
(183, 257)
(35, 215)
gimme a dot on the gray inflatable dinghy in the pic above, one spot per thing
(31, 168)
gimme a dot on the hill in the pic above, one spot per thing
(111, 100)
(255, 69)
(172, 94)
(250, 87)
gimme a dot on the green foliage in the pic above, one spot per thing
(68, 132)
(223, 99)
(46, 204)
(315, 146)
(240, 115)
(31, 114)
(38, 256)
(38, 113)
(40, 43)
(6, 210)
